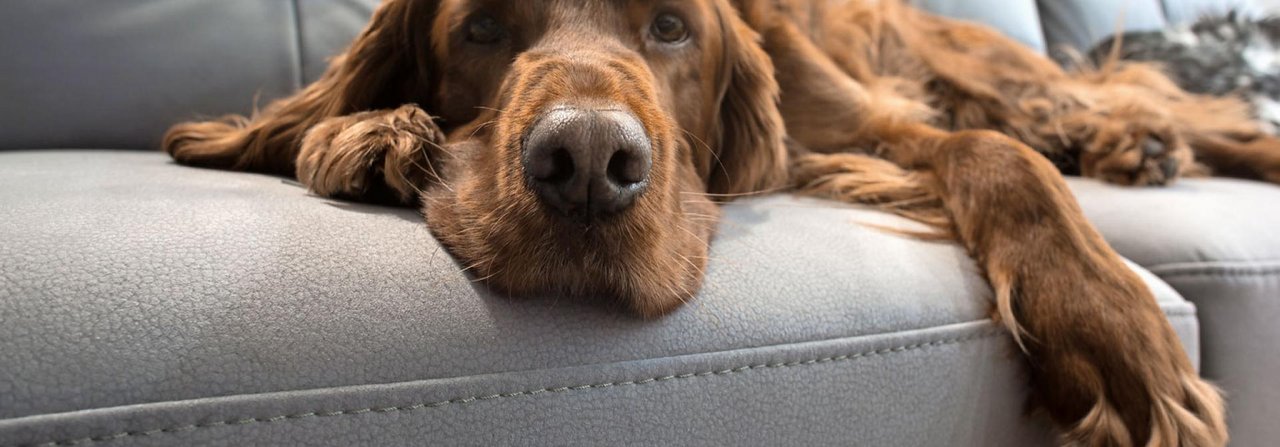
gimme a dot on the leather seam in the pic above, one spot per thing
(300, 61)
(1225, 272)
(527, 393)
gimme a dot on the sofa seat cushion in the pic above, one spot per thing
(1217, 241)
(149, 303)
(1195, 221)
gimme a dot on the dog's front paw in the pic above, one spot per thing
(1133, 151)
(1110, 370)
(364, 154)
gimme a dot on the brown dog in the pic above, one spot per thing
(575, 146)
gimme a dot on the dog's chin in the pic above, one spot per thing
(651, 259)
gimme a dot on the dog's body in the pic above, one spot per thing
(574, 146)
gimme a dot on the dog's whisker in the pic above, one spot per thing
(742, 194)
(701, 217)
(440, 150)
(431, 169)
(709, 150)
(694, 235)
(470, 267)
(488, 277)
(488, 266)
(481, 127)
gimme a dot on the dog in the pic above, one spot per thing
(582, 146)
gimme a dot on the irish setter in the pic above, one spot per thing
(578, 146)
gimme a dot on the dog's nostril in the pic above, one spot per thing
(555, 165)
(625, 170)
(561, 167)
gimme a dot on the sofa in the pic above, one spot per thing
(147, 303)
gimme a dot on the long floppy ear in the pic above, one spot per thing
(386, 66)
(749, 143)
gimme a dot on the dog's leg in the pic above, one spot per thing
(1106, 364)
(1257, 158)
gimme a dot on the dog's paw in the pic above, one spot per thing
(1178, 418)
(1133, 152)
(368, 153)
(1109, 369)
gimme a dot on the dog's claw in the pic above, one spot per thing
(1139, 156)
(1170, 168)
(1153, 147)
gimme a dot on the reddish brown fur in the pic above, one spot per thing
(864, 101)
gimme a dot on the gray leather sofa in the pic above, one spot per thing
(145, 303)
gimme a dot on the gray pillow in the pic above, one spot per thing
(1183, 11)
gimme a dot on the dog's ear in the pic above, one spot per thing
(387, 65)
(748, 142)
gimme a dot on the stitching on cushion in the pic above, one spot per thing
(300, 62)
(472, 399)
(1218, 271)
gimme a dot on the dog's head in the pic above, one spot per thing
(587, 137)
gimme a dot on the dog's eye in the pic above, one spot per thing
(484, 29)
(669, 28)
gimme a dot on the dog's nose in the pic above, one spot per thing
(588, 162)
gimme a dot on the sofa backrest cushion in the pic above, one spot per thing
(1081, 24)
(1019, 19)
(117, 73)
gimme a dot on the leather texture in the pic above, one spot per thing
(139, 296)
(1218, 243)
